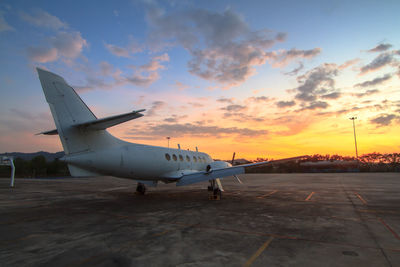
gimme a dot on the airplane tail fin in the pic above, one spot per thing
(68, 110)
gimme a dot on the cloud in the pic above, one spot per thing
(334, 95)
(222, 46)
(119, 51)
(66, 45)
(181, 86)
(195, 105)
(156, 106)
(284, 57)
(316, 82)
(379, 62)
(316, 105)
(225, 100)
(258, 99)
(175, 118)
(234, 108)
(294, 124)
(190, 129)
(42, 54)
(295, 71)
(69, 44)
(147, 74)
(367, 93)
(384, 119)
(375, 81)
(380, 48)
(284, 104)
(105, 68)
(139, 79)
(41, 18)
(4, 26)
(349, 63)
(107, 77)
(155, 64)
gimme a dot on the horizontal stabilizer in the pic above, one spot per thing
(101, 124)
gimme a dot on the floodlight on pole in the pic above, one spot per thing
(355, 138)
(168, 140)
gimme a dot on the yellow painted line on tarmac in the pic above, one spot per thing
(360, 197)
(258, 252)
(389, 228)
(309, 196)
(267, 195)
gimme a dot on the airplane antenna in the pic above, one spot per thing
(179, 146)
(233, 158)
(197, 149)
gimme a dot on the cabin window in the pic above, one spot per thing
(195, 159)
(180, 158)
(174, 157)
(167, 156)
(187, 158)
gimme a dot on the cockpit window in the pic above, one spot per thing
(174, 157)
(167, 156)
(195, 159)
(187, 158)
(180, 158)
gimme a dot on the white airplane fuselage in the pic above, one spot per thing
(142, 162)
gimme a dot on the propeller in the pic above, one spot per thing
(233, 159)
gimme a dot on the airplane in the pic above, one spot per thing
(90, 150)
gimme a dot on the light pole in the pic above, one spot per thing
(168, 140)
(355, 139)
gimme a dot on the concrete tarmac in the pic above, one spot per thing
(344, 219)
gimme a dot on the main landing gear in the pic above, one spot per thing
(141, 189)
(214, 192)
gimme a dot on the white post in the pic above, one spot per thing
(12, 172)
(9, 161)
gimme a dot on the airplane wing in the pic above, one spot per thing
(196, 177)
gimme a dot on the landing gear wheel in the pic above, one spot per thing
(214, 193)
(217, 194)
(141, 189)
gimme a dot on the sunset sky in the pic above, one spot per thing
(269, 79)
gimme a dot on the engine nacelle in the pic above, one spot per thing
(215, 165)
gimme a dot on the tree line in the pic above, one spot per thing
(372, 162)
(36, 167)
